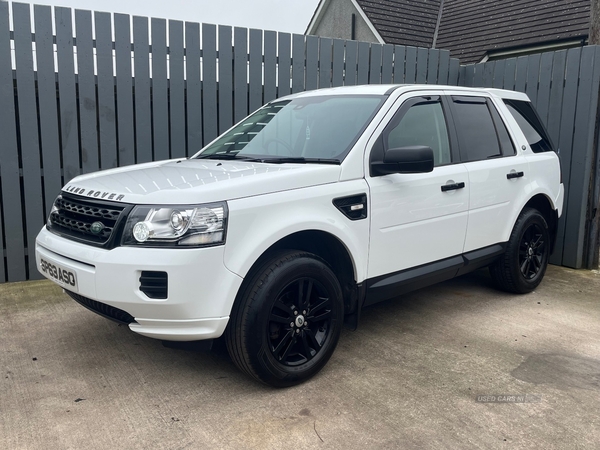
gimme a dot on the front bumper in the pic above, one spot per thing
(201, 290)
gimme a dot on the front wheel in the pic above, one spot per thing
(286, 324)
(523, 265)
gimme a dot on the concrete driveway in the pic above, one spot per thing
(408, 378)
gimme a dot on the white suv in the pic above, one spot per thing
(313, 207)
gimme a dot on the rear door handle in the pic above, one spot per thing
(510, 176)
(453, 186)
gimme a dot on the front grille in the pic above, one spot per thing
(90, 221)
(110, 312)
(154, 284)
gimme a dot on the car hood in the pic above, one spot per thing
(198, 181)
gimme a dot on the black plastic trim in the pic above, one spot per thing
(512, 175)
(452, 186)
(102, 309)
(154, 284)
(345, 205)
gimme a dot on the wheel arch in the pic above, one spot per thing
(545, 206)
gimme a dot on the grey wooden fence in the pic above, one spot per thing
(73, 101)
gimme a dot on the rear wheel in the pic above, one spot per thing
(523, 265)
(286, 325)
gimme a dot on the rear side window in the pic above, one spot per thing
(530, 124)
(477, 133)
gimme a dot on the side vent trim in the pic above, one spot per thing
(354, 207)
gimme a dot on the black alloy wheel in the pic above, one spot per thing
(532, 251)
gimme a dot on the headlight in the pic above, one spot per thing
(186, 225)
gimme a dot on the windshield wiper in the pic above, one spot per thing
(301, 160)
(229, 156)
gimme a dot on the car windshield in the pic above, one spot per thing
(307, 129)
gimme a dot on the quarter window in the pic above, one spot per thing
(530, 124)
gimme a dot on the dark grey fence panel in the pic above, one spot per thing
(160, 102)
(298, 62)
(582, 158)
(487, 79)
(521, 77)
(387, 65)
(432, 66)
(126, 138)
(325, 49)
(363, 63)
(375, 64)
(270, 69)
(533, 76)
(86, 80)
(454, 70)
(499, 69)
(410, 71)
(543, 94)
(565, 139)
(67, 94)
(30, 149)
(143, 103)
(255, 71)
(284, 66)
(399, 60)
(240, 82)
(508, 81)
(193, 91)
(556, 94)
(9, 163)
(47, 105)
(338, 63)
(106, 91)
(350, 77)
(225, 80)
(443, 67)
(209, 82)
(312, 63)
(422, 56)
(176, 90)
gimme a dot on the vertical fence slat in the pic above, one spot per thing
(270, 77)
(410, 72)
(284, 64)
(255, 70)
(444, 66)
(363, 63)
(176, 90)
(143, 111)
(488, 74)
(298, 58)
(225, 78)
(581, 160)
(533, 75)
(565, 141)
(543, 95)
(375, 66)
(325, 49)
(399, 60)
(478, 75)
(387, 64)
(11, 201)
(28, 127)
(209, 82)
(47, 105)
(499, 68)
(106, 91)
(350, 64)
(240, 73)
(312, 62)
(422, 56)
(468, 77)
(86, 83)
(433, 66)
(509, 74)
(66, 93)
(453, 73)
(160, 102)
(556, 94)
(338, 63)
(126, 139)
(521, 76)
(193, 90)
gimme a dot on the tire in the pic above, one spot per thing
(287, 321)
(522, 267)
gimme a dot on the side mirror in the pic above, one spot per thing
(410, 159)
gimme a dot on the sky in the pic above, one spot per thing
(279, 15)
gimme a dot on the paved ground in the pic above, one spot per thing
(408, 378)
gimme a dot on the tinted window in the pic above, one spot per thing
(422, 124)
(508, 148)
(477, 133)
(530, 124)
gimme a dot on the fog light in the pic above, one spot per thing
(142, 231)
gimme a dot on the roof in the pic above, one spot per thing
(472, 28)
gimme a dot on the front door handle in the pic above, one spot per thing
(510, 176)
(453, 186)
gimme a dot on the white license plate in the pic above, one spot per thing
(61, 275)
